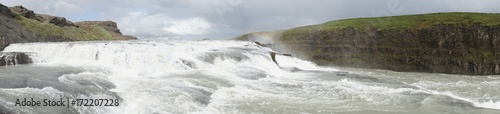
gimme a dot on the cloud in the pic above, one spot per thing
(162, 25)
(59, 7)
(195, 19)
(490, 6)
(195, 26)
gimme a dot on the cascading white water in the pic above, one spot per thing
(156, 56)
(217, 77)
(139, 66)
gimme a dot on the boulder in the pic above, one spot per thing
(22, 11)
(14, 58)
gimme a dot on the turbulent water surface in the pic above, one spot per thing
(215, 77)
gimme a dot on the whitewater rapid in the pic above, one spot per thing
(212, 77)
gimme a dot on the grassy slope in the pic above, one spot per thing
(407, 22)
(66, 32)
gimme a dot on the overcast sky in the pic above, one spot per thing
(216, 19)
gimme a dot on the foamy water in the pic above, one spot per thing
(226, 77)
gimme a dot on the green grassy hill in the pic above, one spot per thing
(463, 43)
(415, 21)
(21, 25)
(67, 33)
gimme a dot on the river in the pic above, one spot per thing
(217, 77)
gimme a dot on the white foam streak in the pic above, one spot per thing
(477, 103)
(285, 61)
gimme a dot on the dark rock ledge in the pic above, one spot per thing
(14, 58)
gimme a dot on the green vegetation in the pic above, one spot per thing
(487, 54)
(393, 23)
(462, 43)
(100, 32)
(409, 21)
(67, 32)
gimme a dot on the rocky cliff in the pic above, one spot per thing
(456, 43)
(109, 26)
(21, 25)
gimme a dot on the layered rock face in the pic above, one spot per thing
(14, 58)
(110, 26)
(443, 48)
(456, 48)
(21, 25)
